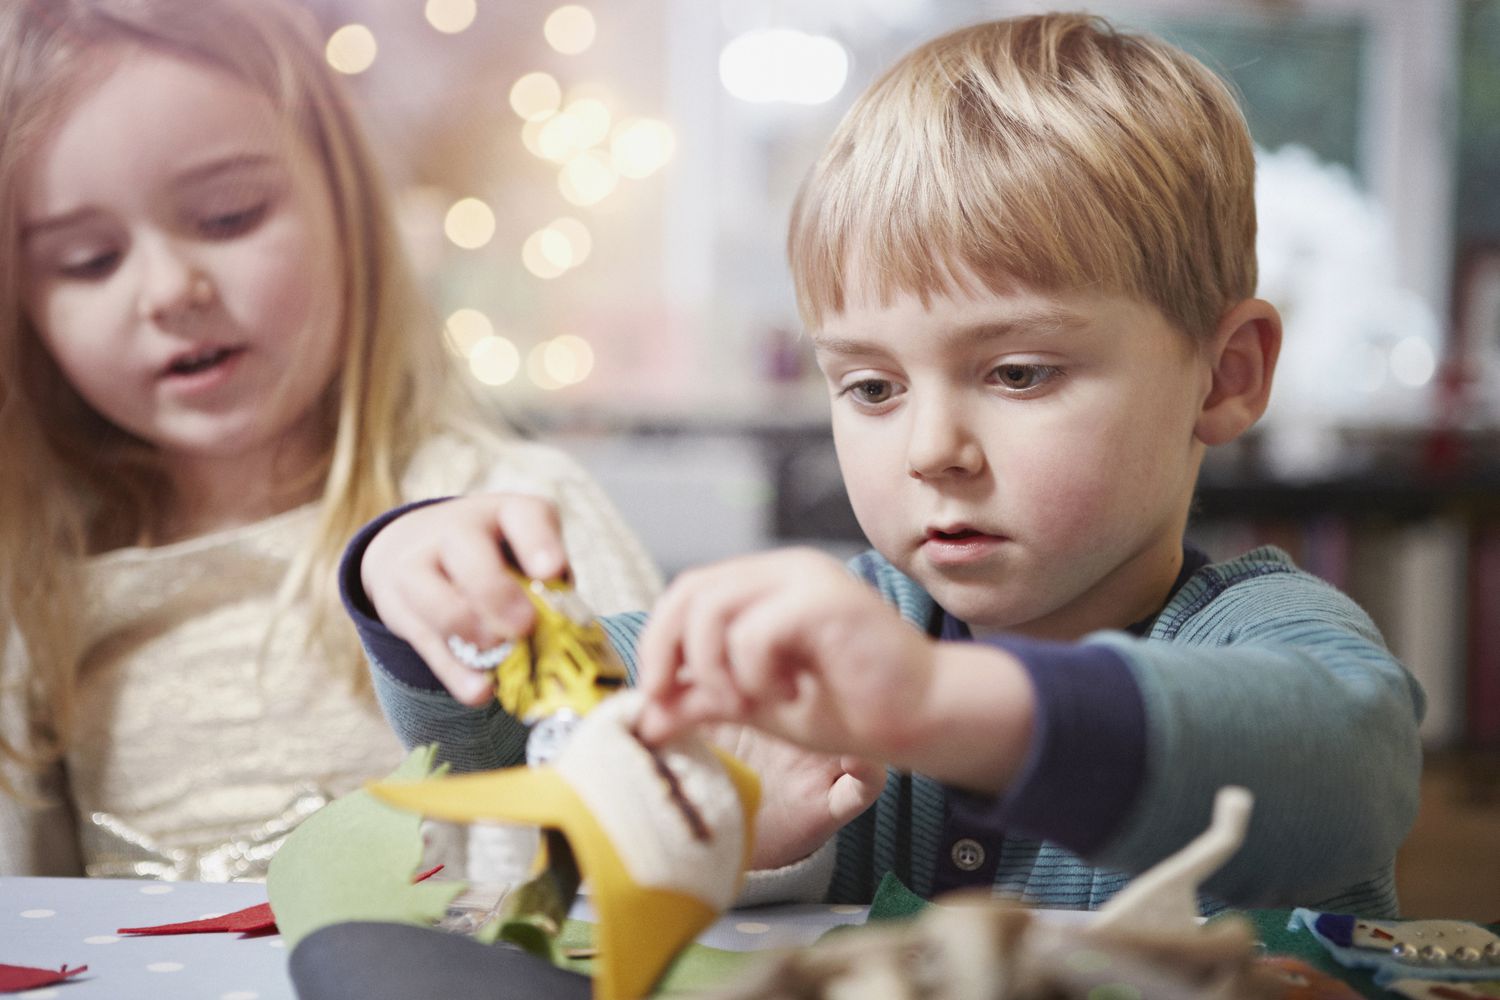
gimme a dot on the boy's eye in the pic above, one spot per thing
(870, 391)
(1020, 377)
(227, 224)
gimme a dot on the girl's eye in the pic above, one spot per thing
(871, 391)
(230, 224)
(91, 268)
(1020, 377)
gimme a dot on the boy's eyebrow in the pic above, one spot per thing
(1044, 321)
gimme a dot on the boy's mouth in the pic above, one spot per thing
(201, 360)
(954, 534)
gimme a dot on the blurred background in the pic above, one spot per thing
(596, 197)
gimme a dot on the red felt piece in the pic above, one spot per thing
(251, 920)
(15, 978)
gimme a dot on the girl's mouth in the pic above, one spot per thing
(201, 361)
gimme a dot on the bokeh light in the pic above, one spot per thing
(568, 359)
(536, 369)
(641, 146)
(351, 49)
(587, 179)
(535, 96)
(1413, 362)
(580, 242)
(546, 253)
(494, 360)
(561, 138)
(470, 223)
(570, 29)
(781, 64)
(593, 120)
(464, 329)
(451, 16)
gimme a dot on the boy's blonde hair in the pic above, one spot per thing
(73, 484)
(1051, 150)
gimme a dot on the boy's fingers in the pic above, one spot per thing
(656, 724)
(764, 648)
(531, 528)
(850, 795)
(659, 652)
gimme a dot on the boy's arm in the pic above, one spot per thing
(1278, 683)
(1268, 678)
(1299, 701)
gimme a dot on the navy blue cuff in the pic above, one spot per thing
(1088, 751)
(395, 655)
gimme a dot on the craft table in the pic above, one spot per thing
(51, 922)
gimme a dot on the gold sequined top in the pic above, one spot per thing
(194, 758)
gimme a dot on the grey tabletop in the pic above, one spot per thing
(51, 922)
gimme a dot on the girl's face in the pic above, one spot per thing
(181, 266)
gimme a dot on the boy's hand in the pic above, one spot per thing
(805, 796)
(440, 571)
(788, 642)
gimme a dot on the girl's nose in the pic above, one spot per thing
(940, 443)
(171, 286)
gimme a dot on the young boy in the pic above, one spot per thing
(1027, 264)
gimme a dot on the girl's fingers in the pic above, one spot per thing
(428, 611)
(530, 527)
(479, 577)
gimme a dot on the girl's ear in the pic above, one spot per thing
(1243, 356)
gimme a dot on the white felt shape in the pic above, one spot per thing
(619, 781)
(1165, 896)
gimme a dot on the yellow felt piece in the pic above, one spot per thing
(641, 928)
(566, 663)
(534, 796)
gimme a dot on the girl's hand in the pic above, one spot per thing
(441, 571)
(805, 796)
(788, 642)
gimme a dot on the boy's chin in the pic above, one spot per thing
(980, 605)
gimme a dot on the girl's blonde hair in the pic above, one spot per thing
(1050, 150)
(72, 483)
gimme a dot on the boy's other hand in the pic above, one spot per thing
(789, 642)
(441, 571)
(806, 796)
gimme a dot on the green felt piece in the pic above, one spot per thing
(894, 901)
(697, 968)
(354, 859)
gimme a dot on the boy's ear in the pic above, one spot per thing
(1243, 355)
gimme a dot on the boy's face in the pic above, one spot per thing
(1027, 458)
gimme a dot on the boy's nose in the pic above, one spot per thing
(940, 443)
(171, 286)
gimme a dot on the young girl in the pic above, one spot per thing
(213, 369)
